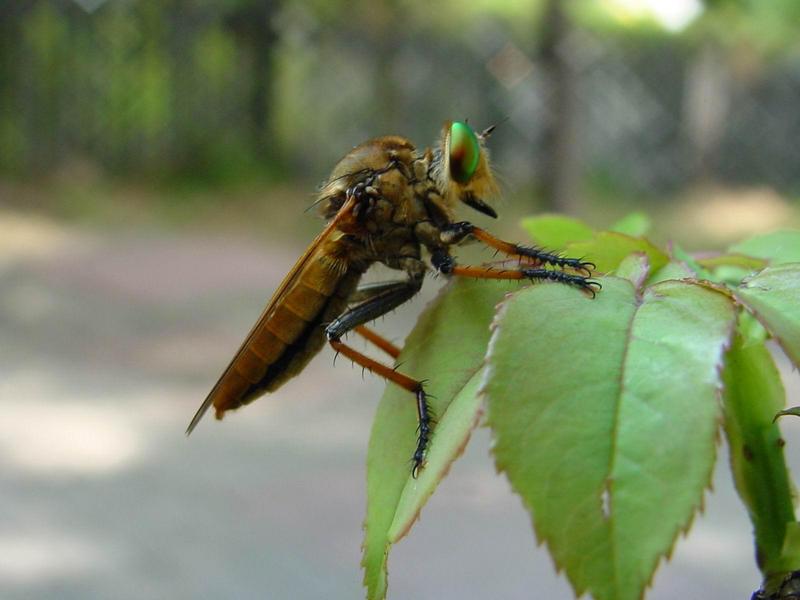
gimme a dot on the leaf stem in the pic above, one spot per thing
(753, 395)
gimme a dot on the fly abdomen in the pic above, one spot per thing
(288, 336)
(256, 358)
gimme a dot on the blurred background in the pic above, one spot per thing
(156, 161)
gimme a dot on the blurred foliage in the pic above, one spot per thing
(770, 27)
(244, 90)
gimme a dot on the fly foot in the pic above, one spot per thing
(582, 282)
(424, 432)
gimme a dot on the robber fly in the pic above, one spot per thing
(385, 202)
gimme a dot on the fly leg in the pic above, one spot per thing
(366, 292)
(378, 340)
(455, 232)
(365, 196)
(405, 382)
(392, 296)
(445, 263)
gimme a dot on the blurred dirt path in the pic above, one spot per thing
(109, 343)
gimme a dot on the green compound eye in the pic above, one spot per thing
(465, 152)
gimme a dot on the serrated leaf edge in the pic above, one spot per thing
(443, 472)
(698, 508)
(757, 314)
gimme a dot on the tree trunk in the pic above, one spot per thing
(263, 38)
(706, 105)
(253, 25)
(562, 161)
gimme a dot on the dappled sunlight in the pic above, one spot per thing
(718, 215)
(672, 14)
(45, 433)
(70, 439)
(35, 558)
(25, 237)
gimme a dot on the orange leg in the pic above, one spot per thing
(535, 256)
(378, 340)
(579, 281)
(405, 382)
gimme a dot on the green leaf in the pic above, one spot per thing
(753, 395)
(740, 261)
(604, 414)
(453, 431)
(672, 270)
(791, 545)
(681, 255)
(778, 247)
(635, 268)
(607, 250)
(731, 275)
(446, 347)
(751, 331)
(728, 269)
(636, 224)
(773, 295)
(556, 231)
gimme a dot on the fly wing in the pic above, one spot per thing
(220, 394)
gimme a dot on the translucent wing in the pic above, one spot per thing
(223, 389)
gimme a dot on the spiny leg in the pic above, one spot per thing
(382, 299)
(445, 264)
(367, 292)
(405, 382)
(378, 340)
(455, 232)
(579, 281)
(378, 299)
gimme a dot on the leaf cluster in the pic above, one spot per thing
(605, 412)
